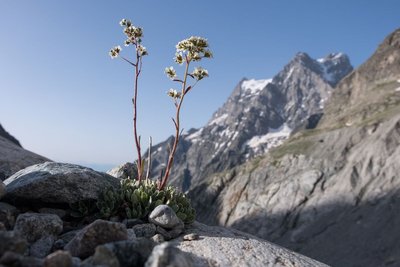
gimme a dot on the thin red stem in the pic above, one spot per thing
(134, 100)
(177, 131)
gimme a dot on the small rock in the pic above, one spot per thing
(41, 230)
(12, 241)
(170, 234)
(14, 259)
(191, 237)
(164, 216)
(64, 239)
(166, 254)
(8, 214)
(97, 233)
(33, 226)
(58, 258)
(2, 227)
(42, 247)
(123, 253)
(2, 189)
(131, 234)
(158, 238)
(59, 212)
(145, 230)
(132, 222)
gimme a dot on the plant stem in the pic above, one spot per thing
(149, 160)
(134, 101)
(177, 130)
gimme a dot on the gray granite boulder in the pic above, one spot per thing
(97, 233)
(53, 182)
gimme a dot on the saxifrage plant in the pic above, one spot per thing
(137, 198)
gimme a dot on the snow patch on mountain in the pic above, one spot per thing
(194, 137)
(274, 137)
(218, 119)
(334, 58)
(289, 74)
(253, 86)
(327, 66)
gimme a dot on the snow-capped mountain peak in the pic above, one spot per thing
(259, 115)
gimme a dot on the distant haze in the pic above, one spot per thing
(63, 97)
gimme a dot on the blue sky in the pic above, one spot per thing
(64, 98)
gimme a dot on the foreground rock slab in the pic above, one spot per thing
(53, 182)
(218, 246)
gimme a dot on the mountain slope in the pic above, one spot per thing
(8, 136)
(14, 158)
(259, 115)
(333, 192)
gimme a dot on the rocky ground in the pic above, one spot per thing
(38, 228)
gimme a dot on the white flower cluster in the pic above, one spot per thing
(193, 48)
(174, 94)
(134, 36)
(114, 52)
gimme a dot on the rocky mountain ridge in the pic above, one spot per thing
(259, 115)
(331, 193)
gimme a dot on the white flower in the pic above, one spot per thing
(199, 73)
(125, 22)
(171, 73)
(114, 52)
(178, 58)
(141, 50)
(173, 93)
